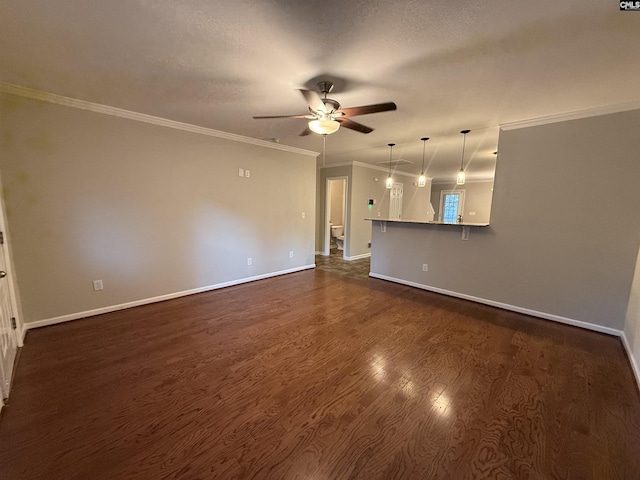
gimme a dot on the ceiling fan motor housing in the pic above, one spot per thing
(330, 106)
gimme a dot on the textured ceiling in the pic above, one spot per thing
(447, 65)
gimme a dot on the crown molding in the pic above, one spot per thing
(372, 167)
(20, 91)
(563, 117)
(452, 181)
(382, 169)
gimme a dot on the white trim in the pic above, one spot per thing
(563, 117)
(358, 257)
(160, 298)
(356, 163)
(22, 334)
(319, 253)
(505, 306)
(11, 89)
(452, 181)
(632, 359)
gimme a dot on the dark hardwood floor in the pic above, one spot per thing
(320, 375)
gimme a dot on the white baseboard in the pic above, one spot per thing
(358, 257)
(160, 298)
(505, 306)
(632, 359)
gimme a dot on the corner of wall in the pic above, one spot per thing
(632, 359)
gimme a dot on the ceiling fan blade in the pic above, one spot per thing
(313, 100)
(365, 109)
(306, 132)
(285, 116)
(358, 127)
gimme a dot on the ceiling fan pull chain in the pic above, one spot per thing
(324, 148)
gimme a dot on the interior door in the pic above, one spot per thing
(395, 201)
(8, 340)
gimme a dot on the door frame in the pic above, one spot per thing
(327, 215)
(16, 333)
(461, 193)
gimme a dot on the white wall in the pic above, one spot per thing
(565, 226)
(632, 322)
(147, 209)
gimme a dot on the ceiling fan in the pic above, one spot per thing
(326, 116)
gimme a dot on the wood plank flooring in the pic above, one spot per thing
(320, 375)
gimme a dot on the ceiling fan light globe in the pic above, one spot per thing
(324, 127)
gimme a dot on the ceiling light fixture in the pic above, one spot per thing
(422, 179)
(389, 182)
(461, 178)
(324, 126)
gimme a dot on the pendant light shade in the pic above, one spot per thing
(422, 179)
(324, 126)
(389, 182)
(461, 177)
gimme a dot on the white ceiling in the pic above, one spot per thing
(447, 65)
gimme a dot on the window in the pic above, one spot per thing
(451, 205)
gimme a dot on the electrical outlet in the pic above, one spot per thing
(247, 173)
(241, 172)
(291, 254)
(249, 261)
(425, 267)
(97, 285)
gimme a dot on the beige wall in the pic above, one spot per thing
(477, 199)
(364, 186)
(337, 201)
(415, 201)
(149, 210)
(363, 183)
(632, 323)
(565, 227)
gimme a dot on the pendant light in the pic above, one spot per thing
(461, 178)
(422, 179)
(389, 182)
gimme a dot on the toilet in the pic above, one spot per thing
(337, 232)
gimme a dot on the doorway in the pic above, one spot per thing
(451, 206)
(336, 214)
